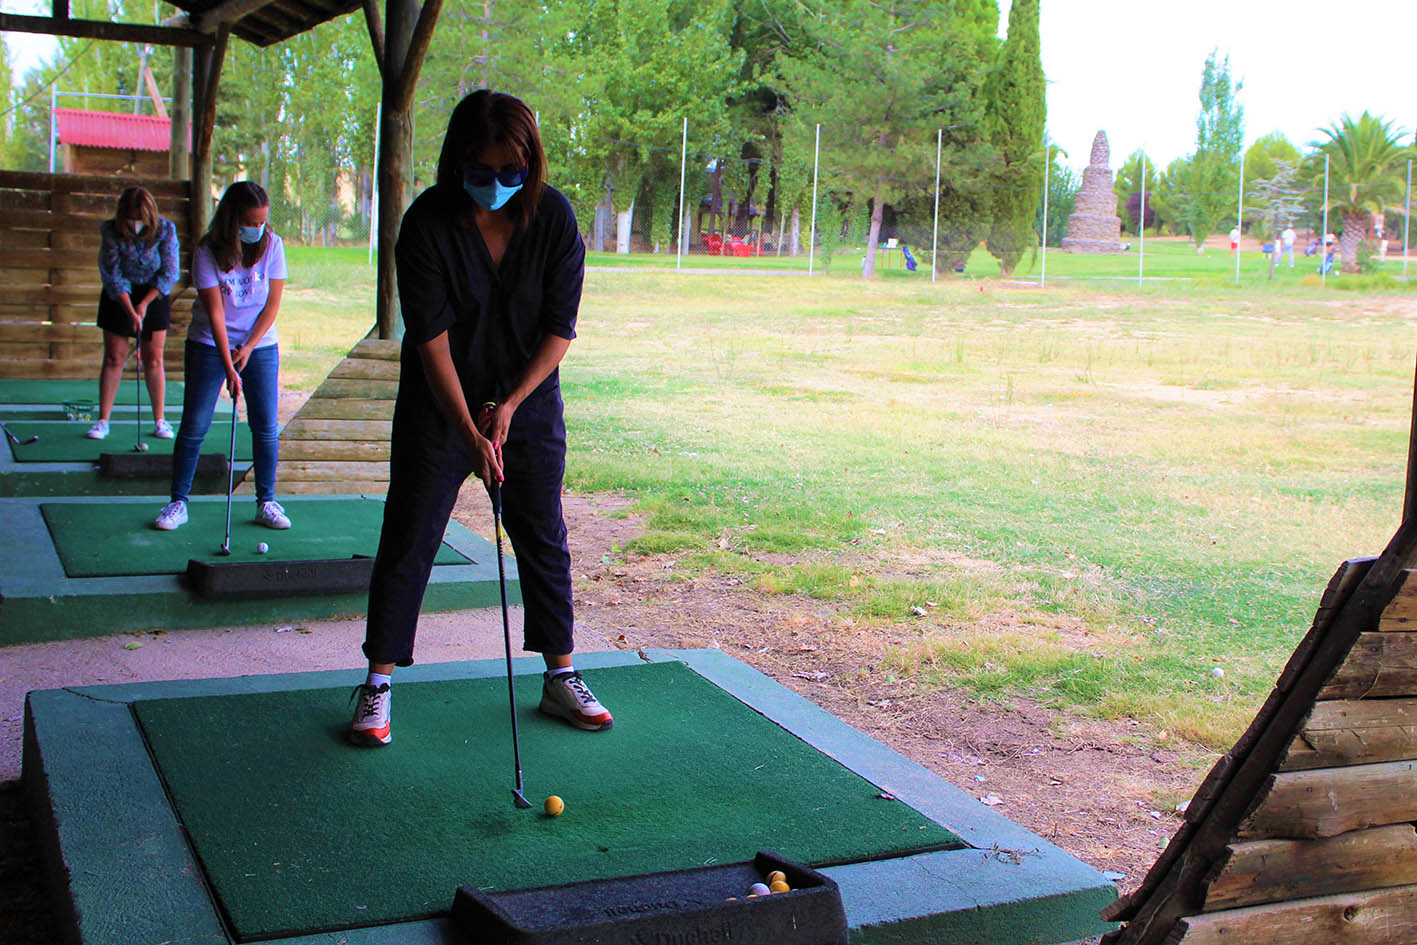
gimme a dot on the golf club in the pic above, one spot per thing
(518, 798)
(225, 548)
(16, 440)
(139, 446)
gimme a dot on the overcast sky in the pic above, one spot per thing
(1133, 67)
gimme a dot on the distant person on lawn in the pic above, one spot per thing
(1286, 240)
(490, 268)
(239, 272)
(138, 263)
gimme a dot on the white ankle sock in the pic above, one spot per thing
(561, 671)
(378, 679)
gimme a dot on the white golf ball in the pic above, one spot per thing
(262, 548)
(1217, 672)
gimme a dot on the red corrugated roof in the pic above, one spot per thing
(112, 130)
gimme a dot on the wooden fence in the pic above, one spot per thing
(49, 282)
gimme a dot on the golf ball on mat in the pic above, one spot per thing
(777, 876)
(779, 886)
(758, 889)
(554, 806)
(262, 548)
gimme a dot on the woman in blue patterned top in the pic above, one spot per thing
(139, 267)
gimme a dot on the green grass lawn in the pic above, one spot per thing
(1139, 486)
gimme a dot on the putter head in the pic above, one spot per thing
(33, 439)
(520, 800)
(224, 551)
(140, 447)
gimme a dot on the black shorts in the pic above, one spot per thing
(112, 316)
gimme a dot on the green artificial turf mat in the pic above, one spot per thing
(63, 441)
(298, 832)
(112, 539)
(56, 392)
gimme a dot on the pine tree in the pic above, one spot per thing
(1017, 113)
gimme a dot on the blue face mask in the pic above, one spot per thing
(493, 196)
(252, 234)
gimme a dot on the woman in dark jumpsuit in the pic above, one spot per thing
(490, 267)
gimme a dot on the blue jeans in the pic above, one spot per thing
(205, 376)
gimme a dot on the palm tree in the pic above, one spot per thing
(1366, 159)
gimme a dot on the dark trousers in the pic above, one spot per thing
(427, 466)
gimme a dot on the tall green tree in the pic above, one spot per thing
(876, 76)
(1063, 183)
(1211, 187)
(1264, 156)
(1127, 185)
(1017, 114)
(1367, 167)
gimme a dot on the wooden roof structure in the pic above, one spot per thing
(400, 38)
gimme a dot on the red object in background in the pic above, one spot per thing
(111, 130)
(713, 243)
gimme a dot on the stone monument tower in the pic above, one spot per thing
(1094, 226)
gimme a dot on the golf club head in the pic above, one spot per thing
(224, 551)
(140, 447)
(33, 439)
(520, 800)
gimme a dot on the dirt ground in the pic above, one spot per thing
(1090, 787)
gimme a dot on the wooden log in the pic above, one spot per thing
(1329, 801)
(336, 487)
(1401, 613)
(103, 29)
(347, 410)
(370, 369)
(49, 259)
(1374, 917)
(1380, 665)
(91, 183)
(1355, 731)
(336, 451)
(306, 428)
(1278, 870)
(335, 388)
(382, 349)
(332, 471)
(11, 332)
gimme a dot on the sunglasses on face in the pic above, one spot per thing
(481, 176)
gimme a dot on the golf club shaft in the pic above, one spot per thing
(138, 395)
(506, 630)
(16, 440)
(230, 474)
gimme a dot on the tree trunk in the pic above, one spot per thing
(1355, 228)
(868, 268)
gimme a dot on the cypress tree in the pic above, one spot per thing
(1017, 112)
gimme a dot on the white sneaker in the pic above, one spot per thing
(163, 430)
(98, 431)
(566, 696)
(271, 515)
(370, 727)
(173, 515)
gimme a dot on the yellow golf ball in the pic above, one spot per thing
(777, 876)
(554, 806)
(778, 886)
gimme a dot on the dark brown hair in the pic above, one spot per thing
(481, 119)
(223, 236)
(136, 202)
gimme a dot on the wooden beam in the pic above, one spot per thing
(1409, 495)
(1279, 870)
(417, 49)
(227, 12)
(1381, 917)
(375, 22)
(60, 9)
(1329, 801)
(211, 81)
(179, 156)
(1355, 731)
(101, 29)
(1401, 611)
(1380, 665)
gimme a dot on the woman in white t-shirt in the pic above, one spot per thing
(239, 272)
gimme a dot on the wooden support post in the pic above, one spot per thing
(206, 77)
(406, 34)
(180, 143)
(101, 29)
(375, 23)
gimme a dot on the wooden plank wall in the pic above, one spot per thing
(1326, 853)
(49, 283)
(338, 442)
